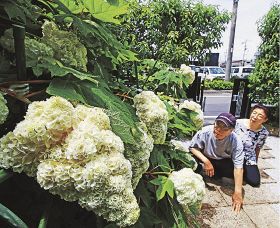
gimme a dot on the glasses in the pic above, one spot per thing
(258, 115)
(221, 126)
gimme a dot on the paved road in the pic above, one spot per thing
(215, 103)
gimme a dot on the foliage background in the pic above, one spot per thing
(173, 31)
(264, 82)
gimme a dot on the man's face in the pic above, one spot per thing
(221, 130)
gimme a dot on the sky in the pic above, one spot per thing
(249, 12)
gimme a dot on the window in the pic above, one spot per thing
(216, 70)
(235, 70)
(247, 70)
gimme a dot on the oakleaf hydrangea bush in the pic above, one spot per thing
(4, 111)
(189, 188)
(74, 154)
(152, 112)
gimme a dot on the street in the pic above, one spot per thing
(214, 104)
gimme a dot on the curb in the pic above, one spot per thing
(217, 91)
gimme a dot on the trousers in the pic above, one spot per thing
(224, 168)
(252, 175)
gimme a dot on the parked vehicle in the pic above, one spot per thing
(242, 71)
(192, 67)
(211, 72)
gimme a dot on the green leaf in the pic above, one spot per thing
(185, 158)
(106, 11)
(142, 192)
(159, 180)
(75, 7)
(122, 115)
(147, 218)
(158, 159)
(165, 185)
(4, 175)
(11, 218)
(13, 10)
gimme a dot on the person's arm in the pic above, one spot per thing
(238, 160)
(237, 198)
(208, 167)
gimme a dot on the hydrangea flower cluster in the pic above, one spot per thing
(4, 111)
(46, 125)
(189, 188)
(188, 72)
(74, 154)
(152, 112)
(139, 155)
(66, 46)
(193, 106)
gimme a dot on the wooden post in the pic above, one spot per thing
(19, 35)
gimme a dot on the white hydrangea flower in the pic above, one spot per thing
(190, 105)
(106, 186)
(47, 121)
(4, 111)
(186, 70)
(109, 142)
(21, 154)
(193, 106)
(189, 187)
(95, 115)
(82, 141)
(180, 145)
(152, 111)
(55, 176)
(75, 156)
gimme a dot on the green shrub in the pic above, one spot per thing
(264, 82)
(217, 84)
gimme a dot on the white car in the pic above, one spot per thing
(211, 72)
(241, 72)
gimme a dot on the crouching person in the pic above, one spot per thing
(220, 151)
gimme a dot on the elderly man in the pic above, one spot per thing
(220, 151)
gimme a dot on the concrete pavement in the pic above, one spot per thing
(261, 205)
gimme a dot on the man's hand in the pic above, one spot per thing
(237, 201)
(208, 168)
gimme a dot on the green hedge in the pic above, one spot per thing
(218, 84)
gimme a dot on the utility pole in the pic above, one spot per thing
(231, 39)
(244, 51)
